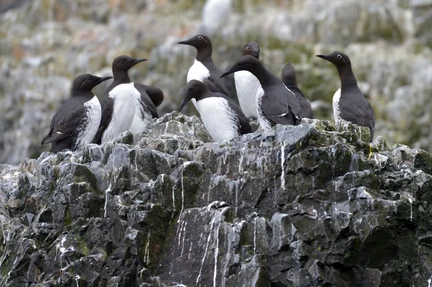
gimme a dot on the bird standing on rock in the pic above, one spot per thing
(247, 85)
(203, 66)
(222, 117)
(289, 79)
(77, 121)
(276, 104)
(124, 107)
(349, 103)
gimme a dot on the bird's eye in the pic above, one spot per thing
(88, 80)
(247, 48)
(339, 56)
(200, 37)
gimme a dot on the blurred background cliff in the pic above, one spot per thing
(44, 44)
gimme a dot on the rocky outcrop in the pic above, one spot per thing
(293, 206)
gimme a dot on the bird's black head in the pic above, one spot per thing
(86, 82)
(252, 48)
(124, 63)
(246, 63)
(202, 43)
(194, 89)
(338, 59)
(289, 76)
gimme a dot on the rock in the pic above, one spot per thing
(293, 206)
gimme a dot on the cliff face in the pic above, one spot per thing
(295, 206)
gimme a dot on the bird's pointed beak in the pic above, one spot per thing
(185, 42)
(185, 101)
(139, 61)
(322, 56)
(103, 79)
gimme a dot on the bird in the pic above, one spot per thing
(222, 117)
(203, 66)
(276, 104)
(247, 85)
(349, 103)
(289, 79)
(77, 120)
(124, 107)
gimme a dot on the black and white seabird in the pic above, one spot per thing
(276, 104)
(203, 66)
(247, 85)
(124, 107)
(289, 79)
(222, 117)
(77, 121)
(349, 103)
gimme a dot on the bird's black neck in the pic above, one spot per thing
(121, 77)
(204, 54)
(264, 76)
(347, 77)
(82, 93)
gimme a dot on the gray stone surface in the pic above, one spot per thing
(293, 206)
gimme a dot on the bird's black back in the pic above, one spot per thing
(303, 102)
(355, 108)
(67, 119)
(156, 95)
(146, 100)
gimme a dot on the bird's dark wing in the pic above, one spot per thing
(294, 106)
(243, 122)
(156, 95)
(66, 120)
(146, 101)
(282, 110)
(107, 110)
(355, 108)
(305, 105)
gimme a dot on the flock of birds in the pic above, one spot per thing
(128, 106)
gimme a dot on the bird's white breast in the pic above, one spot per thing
(218, 117)
(124, 96)
(142, 117)
(262, 119)
(336, 109)
(247, 87)
(90, 126)
(197, 72)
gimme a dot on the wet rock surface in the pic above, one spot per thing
(293, 206)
